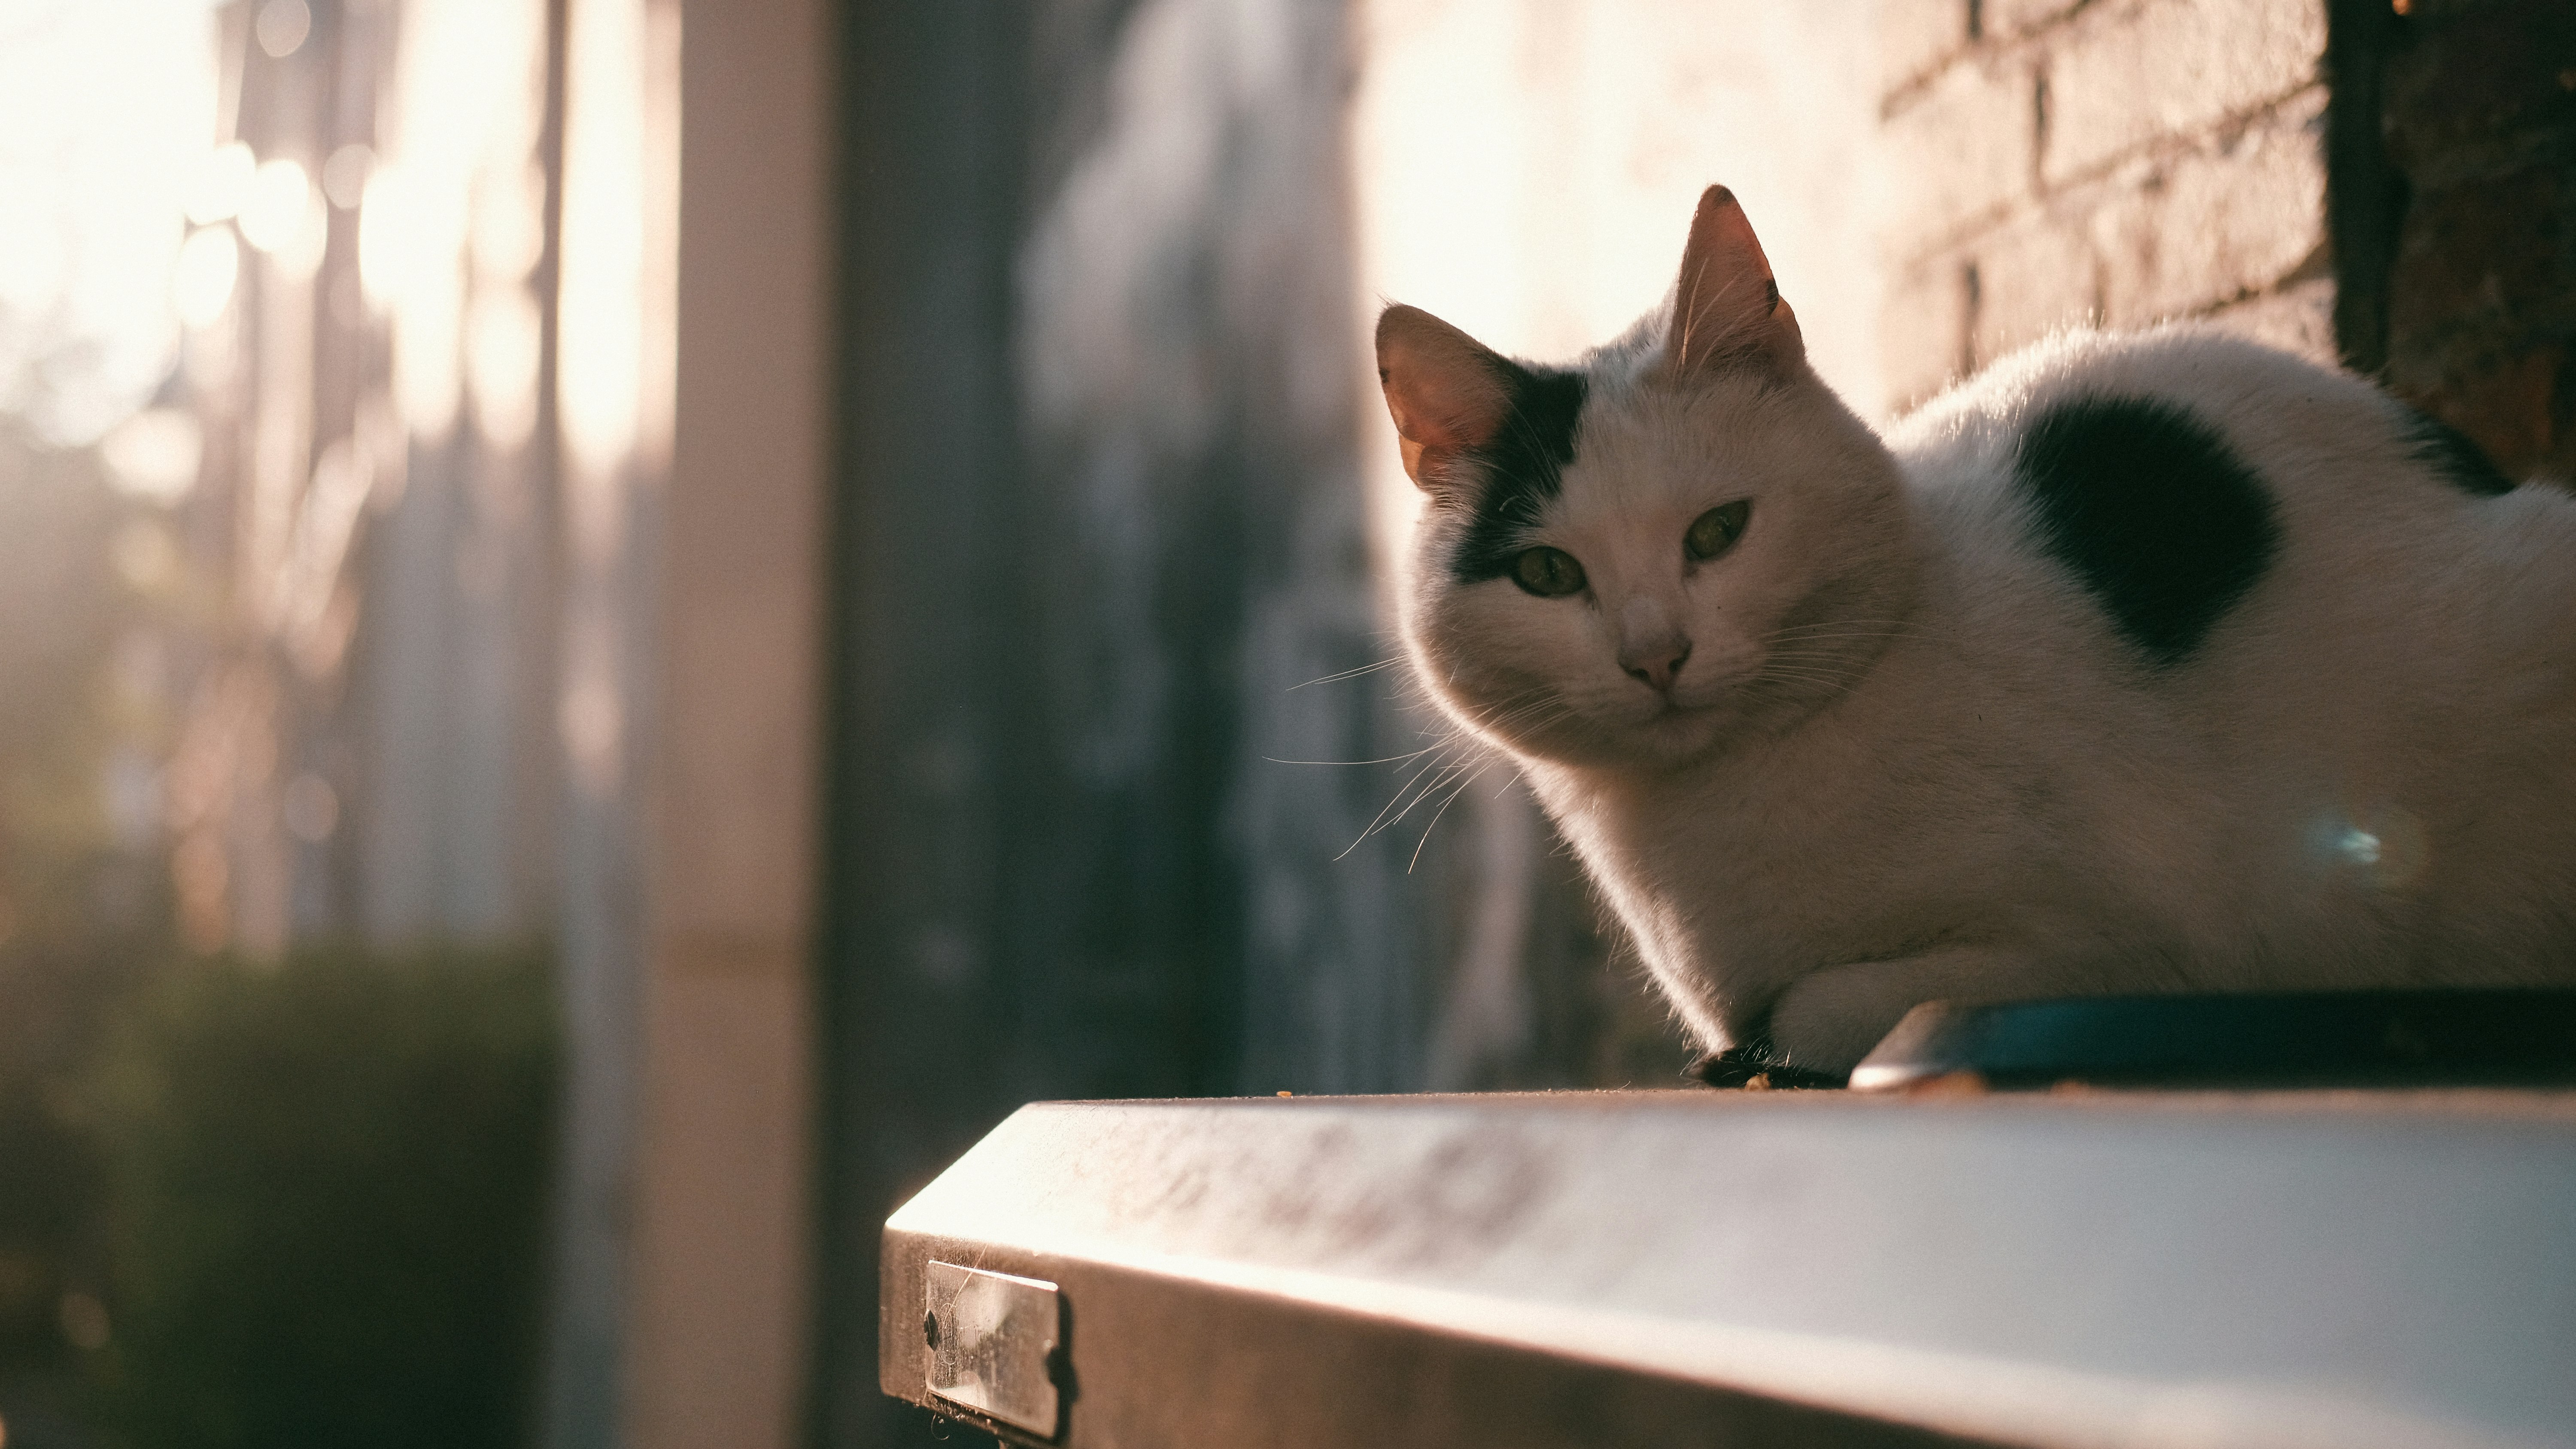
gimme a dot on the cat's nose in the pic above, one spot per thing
(1656, 664)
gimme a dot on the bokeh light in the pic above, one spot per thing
(107, 115)
(344, 176)
(282, 26)
(154, 454)
(275, 209)
(221, 183)
(209, 266)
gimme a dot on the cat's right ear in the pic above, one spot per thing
(1727, 309)
(1446, 391)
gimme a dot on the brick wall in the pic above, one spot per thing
(2388, 183)
(2477, 111)
(2118, 163)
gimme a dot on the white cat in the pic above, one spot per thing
(2141, 663)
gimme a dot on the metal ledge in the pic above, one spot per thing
(2345, 1270)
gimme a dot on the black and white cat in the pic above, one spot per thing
(2140, 663)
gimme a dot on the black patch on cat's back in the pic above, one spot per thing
(2149, 507)
(1523, 468)
(2458, 461)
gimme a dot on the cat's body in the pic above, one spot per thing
(2137, 664)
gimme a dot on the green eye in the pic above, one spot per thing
(1713, 531)
(1550, 573)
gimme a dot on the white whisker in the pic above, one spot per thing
(1347, 674)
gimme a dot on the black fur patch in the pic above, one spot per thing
(2153, 511)
(1523, 467)
(2462, 463)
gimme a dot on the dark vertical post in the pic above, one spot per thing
(915, 1015)
(2365, 193)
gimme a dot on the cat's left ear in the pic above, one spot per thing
(1446, 391)
(1727, 310)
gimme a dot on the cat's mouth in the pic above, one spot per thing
(1674, 719)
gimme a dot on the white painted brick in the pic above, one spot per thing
(1921, 322)
(1914, 36)
(2033, 277)
(2298, 318)
(2127, 75)
(2187, 233)
(2020, 17)
(1958, 152)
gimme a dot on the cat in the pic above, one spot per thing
(2137, 663)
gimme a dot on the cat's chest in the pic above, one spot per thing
(1863, 843)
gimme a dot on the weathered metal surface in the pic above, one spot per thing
(2342, 1270)
(989, 1342)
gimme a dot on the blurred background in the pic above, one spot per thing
(622, 622)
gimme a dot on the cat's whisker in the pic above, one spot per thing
(1807, 634)
(1522, 714)
(1380, 821)
(1814, 674)
(1435, 819)
(1823, 661)
(1841, 621)
(1435, 787)
(1504, 712)
(1389, 760)
(1348, 674)
(1828, 688)
(1851, 622)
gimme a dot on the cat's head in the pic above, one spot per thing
(1683, 538)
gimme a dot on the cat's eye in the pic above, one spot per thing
(1550, 573)
(1713, 531)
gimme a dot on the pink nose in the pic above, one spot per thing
(1655, 666)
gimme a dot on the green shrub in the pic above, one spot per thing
(328, 1184)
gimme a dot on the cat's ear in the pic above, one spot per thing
(1448, 392)
(1727, 310)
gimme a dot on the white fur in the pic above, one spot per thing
(1950, 777)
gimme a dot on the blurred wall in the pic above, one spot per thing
(721, 1203)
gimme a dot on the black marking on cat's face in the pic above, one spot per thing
(2461, 463)
(2151, 509)
(1523, 468)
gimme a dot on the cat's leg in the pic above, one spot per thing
(1828, 1019)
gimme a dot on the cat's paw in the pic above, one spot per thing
(1830, 1018)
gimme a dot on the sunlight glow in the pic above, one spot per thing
(602, 335)
(275, 208)
(389, 242)
(201, 286)
(458, 141)
(153, 455)
(503, 336)
(1527, 169)
(221, 183)
(106, 109)
(344, 176)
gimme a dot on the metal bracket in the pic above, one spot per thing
(990, 1344)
